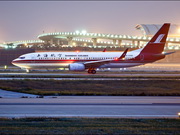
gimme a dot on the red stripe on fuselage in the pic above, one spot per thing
(73, 61)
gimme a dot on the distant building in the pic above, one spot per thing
(151, 29)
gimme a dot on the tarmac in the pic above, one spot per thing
(91, 106)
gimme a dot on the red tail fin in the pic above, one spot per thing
(157, 43)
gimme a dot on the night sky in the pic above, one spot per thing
(26, 20)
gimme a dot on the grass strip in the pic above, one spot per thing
(89, 126)
(94, 87)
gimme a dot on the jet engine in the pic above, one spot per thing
(77, 67)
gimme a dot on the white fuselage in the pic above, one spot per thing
(63, 59)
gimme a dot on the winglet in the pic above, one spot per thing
(123, 55)
(104, 50)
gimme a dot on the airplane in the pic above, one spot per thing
(90, 61)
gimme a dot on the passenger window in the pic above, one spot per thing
(21, 57)
(52, 55)
(45, 55)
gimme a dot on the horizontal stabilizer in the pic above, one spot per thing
(169, 53)
(162, 55)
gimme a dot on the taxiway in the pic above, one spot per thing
(91, 106)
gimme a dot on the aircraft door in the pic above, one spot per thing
(142, 57)
(33, 58)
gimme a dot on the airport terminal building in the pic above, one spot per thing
(83, 38)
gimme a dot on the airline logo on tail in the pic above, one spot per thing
(160, 37)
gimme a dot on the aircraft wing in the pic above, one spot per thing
(98, 63)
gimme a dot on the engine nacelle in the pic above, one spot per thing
(76, 67)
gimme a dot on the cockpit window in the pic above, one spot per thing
(21, 57)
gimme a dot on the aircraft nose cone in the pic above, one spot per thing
(14, 61)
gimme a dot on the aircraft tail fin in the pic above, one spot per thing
(157, 43)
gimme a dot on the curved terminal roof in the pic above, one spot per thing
(48, 36)
(80, 36)
(151, 29)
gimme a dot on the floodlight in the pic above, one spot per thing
(83, 31)
(77, 32)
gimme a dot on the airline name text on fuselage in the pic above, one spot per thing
(60, 55)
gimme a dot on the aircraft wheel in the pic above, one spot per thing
(89, 71)
(93, 71)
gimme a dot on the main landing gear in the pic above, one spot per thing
(91, 71)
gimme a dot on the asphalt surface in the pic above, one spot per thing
(84, 79)
(86, 75)
(91, 106)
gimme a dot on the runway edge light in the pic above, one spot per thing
(179, 114)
